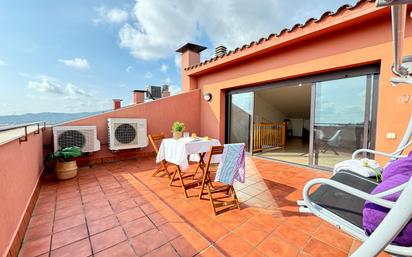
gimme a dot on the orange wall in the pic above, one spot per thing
(355, 44)
(20, 168)
(160, 115)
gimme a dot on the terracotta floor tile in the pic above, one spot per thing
(138, 226)
(121, 250)
(41, 219)
(38, 231)
(306, 223)
(293, 236)
(67, 212)
(158, 218)
(234, 246)
(69, 203)
(172, 230)
(256, 253)
(125, 191)
(123, 205)
(148, 241)
(149, 208)
(69, 222)
(266, 222)
(69, 236)
(98, 213)
(79, 249)
(102, 224)
(189, 245)
(251, 234)
(334, 237)
(107, 239)
(210, 252)
(275, 246)
(35, 247)
(129, 215)
(163, 251)
(318, 248)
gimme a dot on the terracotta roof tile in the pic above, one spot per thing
(283, 31)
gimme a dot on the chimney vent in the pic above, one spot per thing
(138, 96)
(117, 104)
(220, 51)
(165, 90)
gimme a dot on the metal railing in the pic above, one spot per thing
(25, 126)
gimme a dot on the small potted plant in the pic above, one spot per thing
(177, 129)
(66, 166)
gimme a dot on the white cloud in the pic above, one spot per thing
(3, 63)
(167, 80)
(164, 68)
(77, 63)
(148, 75)
(157, 28)
(174, 90)
(48, 85)
(178, 61)
(114, 15)
(129, 68)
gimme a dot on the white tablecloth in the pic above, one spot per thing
(176, 151)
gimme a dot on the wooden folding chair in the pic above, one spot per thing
(217, 191)
(163, 164)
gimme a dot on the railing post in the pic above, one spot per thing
(283, 134)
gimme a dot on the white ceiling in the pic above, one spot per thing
(293, 101)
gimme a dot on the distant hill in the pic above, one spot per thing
(49, 117)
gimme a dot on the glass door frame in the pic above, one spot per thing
(371, 104)
(228, 116)
(372, 70)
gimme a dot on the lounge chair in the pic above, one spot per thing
(340, 201)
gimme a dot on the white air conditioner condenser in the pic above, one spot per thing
(127, 133)
(84, 137)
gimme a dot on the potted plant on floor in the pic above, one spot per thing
(177, 129)
(66, 166)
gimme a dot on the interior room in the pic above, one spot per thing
(282, 123)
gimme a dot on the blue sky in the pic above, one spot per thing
(72, 56)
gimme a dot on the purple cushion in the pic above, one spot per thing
(394, 174)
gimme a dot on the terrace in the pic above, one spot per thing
(119, 209)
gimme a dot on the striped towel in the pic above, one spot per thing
(232, 165)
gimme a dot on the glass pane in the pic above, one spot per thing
(240, 118)
(339, 119)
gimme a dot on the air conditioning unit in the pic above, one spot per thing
(154, 92)
(84, 137)
(127, 133)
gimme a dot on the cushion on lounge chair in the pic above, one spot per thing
(342, 204)
(395, 174)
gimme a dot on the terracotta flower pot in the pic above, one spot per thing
(66, 170)
(177, 135)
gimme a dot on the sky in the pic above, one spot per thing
(75, 56)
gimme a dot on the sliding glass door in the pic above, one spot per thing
(240, 107)
(335, 112)
(341, 118)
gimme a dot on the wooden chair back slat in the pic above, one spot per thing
(154, 139)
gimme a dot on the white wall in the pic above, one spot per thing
(265, 112)
(297, 125)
